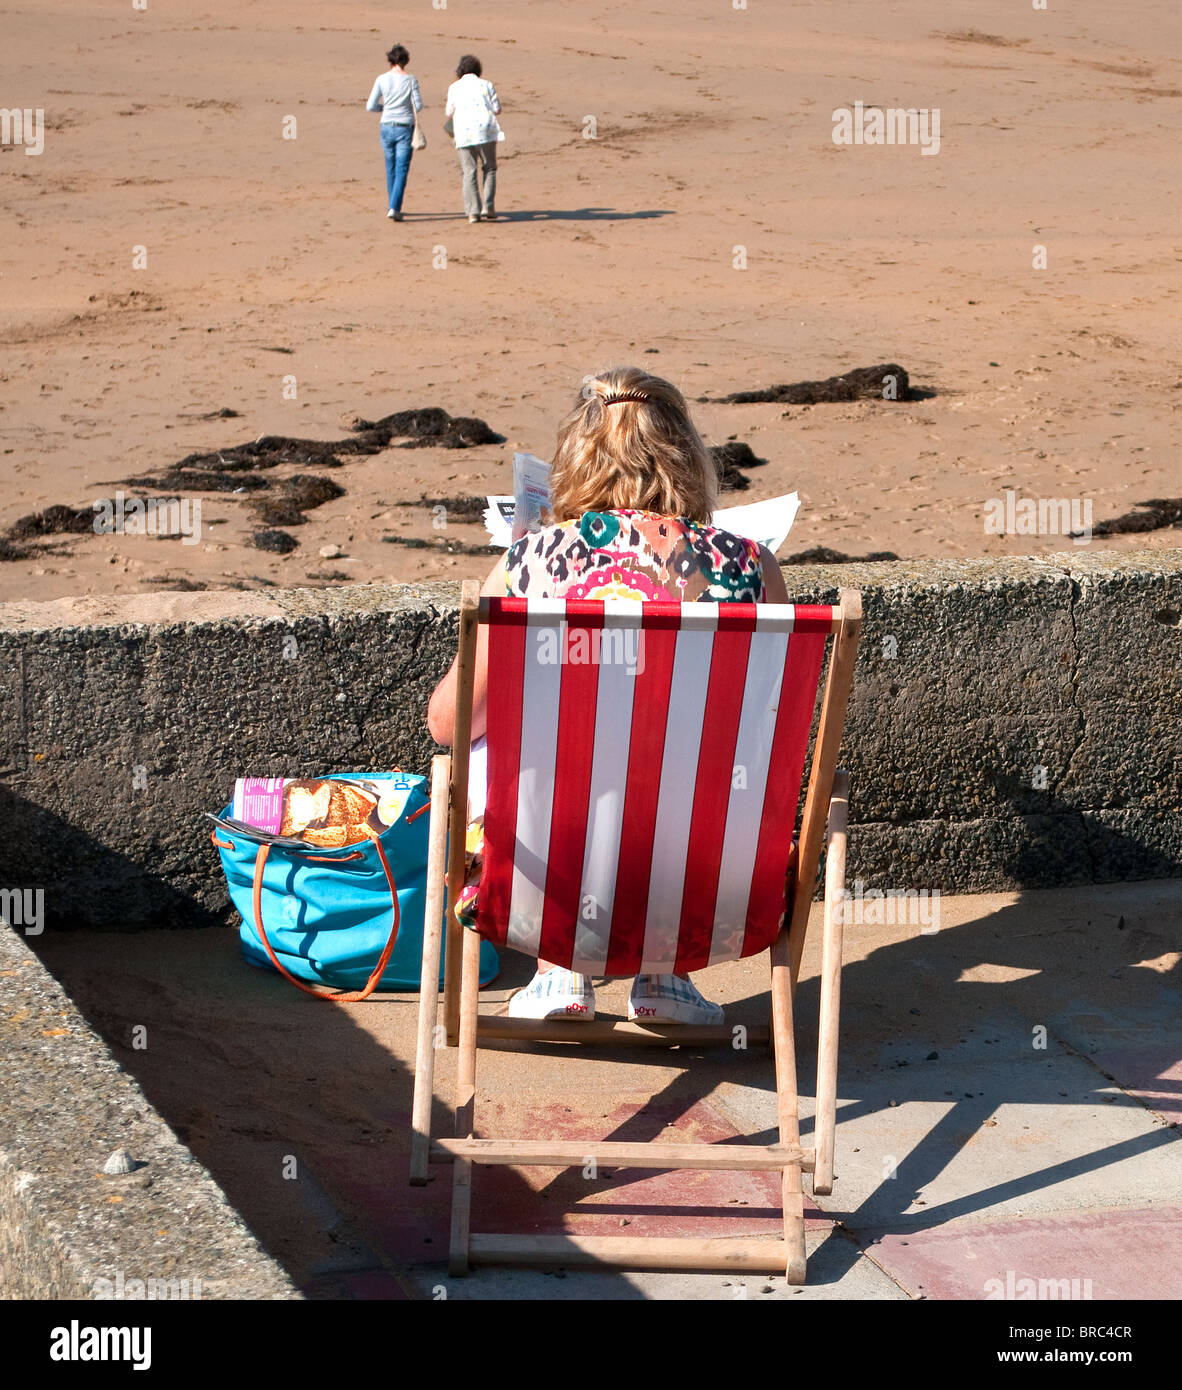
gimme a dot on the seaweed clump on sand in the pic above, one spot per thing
(293, 497)
(53, 521)
(8, 551)
(729, 458)
(235, 469)
(424, 428)
(884, 383)
(278, 542)
(822, 555)
(445, 547)
(1155, 515)
(81, 521)
(181, 479)
(457, 508)
(427, 428)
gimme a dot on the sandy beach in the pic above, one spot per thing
(711, 230)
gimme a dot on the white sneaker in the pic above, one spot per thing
(390, 214)
(556, 993)
(666, 999)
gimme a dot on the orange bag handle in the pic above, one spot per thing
(352, 996)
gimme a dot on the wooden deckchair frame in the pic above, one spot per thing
(825, 814)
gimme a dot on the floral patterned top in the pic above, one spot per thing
(635, 555)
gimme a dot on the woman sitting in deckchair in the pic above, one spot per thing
(633, 491)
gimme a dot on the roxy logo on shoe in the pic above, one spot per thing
(644, 1011)
(576, 1008)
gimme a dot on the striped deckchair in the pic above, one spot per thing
(644, 767)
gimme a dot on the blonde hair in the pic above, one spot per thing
(640, 452)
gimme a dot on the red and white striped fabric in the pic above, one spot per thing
(644, 766)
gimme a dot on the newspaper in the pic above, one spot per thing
(507, 519)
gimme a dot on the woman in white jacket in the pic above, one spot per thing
(472, 107)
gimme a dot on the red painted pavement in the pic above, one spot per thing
(1111, 1254)
(411, 1224)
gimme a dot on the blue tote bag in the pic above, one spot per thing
(350, 918)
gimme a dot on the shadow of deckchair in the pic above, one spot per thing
(1005, 938)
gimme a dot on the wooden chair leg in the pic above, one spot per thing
(791, 1190)
(825, 751)
(827, 1029)
(458, 821)
(424, 1094)
(465, 1108)
(453, 950)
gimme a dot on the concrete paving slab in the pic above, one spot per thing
(1152, 1074)
(372, 1285)
(1130, 1254)
(248, 1071)
(1072, 1141)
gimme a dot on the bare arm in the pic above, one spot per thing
(441, 711)
(773, 578)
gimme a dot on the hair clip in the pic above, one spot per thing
(626, 396)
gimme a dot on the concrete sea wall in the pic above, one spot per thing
(1014, 723)
(163, 1230)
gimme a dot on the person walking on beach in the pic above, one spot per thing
(472, 107)
(396, 95)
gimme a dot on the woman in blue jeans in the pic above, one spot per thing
(396, 95)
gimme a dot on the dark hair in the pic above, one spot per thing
(469, 64)
(398, 56)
